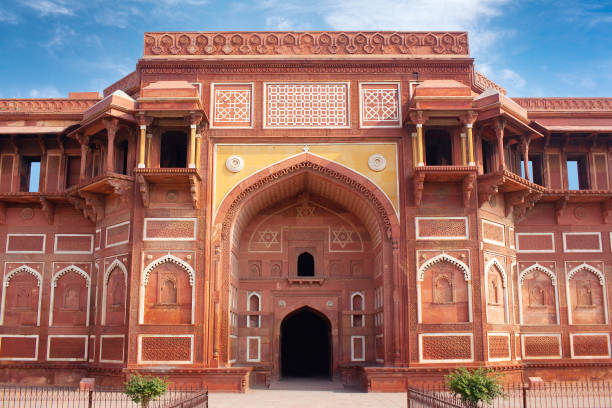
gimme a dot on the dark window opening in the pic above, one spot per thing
(305, 345)
(438, 148)
(577, 173)
(173, 149)
(488, 155)
(30, 174)
(73, 171)
(121, 157)
(305, 265)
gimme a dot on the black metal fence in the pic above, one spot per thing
(17, 396)
(548, 395)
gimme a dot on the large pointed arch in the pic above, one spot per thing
(342, 176)
(7, 281)
(115, 264)
(286, 179)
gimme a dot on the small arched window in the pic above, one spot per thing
(254, 305)
(305, 265)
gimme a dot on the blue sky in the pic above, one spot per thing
(532, 48)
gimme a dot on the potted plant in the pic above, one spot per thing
(475, 386)
(143, 390)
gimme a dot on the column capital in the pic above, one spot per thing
(82, 138)
(498, 125)
(194, 118)
(143, 119)
(468, 118)
(111, 125)
(418, 117)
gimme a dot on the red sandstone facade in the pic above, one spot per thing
(367, 201)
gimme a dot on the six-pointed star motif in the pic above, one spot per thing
(268, 237)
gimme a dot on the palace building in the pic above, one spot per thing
(249, 206)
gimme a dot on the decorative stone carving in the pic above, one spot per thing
(234, 163)
(377, 162)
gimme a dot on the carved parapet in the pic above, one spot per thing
(565, 104)
(276, 43)
(46, 105)
(485, 83)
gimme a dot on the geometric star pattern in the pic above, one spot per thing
(268, 237)
(342, 236)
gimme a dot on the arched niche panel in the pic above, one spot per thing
(444, 293)
(168, 295)
(70, 295)
(114, 294)
(496, 293)
(586, 296)
(538, 296)
(21, 297)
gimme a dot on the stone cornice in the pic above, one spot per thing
(314, 43)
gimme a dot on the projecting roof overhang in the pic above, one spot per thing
(492, 104)
(170, 99)
(118, 104)
(26, 130)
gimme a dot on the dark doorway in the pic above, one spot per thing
(173, 150)
(305, 266)
(438, 148)
(305, 344)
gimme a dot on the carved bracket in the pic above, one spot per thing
(521, 210)
(121, 188)
(515, 199)
(418, 185)
(468, 186)
(143, 186)
(48, 208)
(606, 210)
(94, 206)
(559, 207)
(487, 188)
(194, 189)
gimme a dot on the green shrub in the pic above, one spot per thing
(475, 386)
(145, 389)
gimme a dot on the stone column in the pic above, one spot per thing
(143, 121)
(414, 148)
(418, 118)
(499, 125)
(194, 120)
(111, 125)
(525, 140)
(468, 120)
(84, 141)
(463, 150)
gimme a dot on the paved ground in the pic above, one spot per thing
(304, 393)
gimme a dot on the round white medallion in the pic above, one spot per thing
(234, 163)
(377, 162)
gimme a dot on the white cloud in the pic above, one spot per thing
(60, 37)
(45, 92)
(6, 17)
(512, 78)
(279, 23)
(113, 18)
(48, 7)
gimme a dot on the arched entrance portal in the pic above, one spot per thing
(305, 344)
